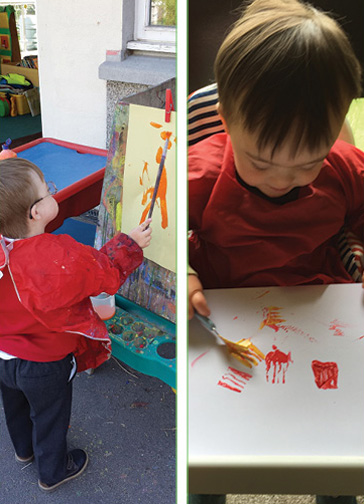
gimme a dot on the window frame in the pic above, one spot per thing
(147, 37)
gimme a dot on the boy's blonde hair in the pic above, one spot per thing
(17, 194)
(286, 69)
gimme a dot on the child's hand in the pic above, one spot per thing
(142, 234)
(196, 298)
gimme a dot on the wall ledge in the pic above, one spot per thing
(148, 70)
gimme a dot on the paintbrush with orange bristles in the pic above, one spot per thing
(243, 350)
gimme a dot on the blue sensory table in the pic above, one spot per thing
(77, 170)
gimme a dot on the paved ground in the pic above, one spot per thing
(126, 424)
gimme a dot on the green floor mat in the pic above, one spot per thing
(19, 126)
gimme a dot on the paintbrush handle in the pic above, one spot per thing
(207, 323)
(158, 179)
(243, 350)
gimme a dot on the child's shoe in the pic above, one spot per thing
(24, 460)
(77, 462)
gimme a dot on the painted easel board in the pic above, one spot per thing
(271, 428)
(152, 285)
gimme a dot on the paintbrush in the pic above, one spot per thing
(243, 350)
(158, 179)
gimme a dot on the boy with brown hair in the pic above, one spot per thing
(48, 328)
(269, 197)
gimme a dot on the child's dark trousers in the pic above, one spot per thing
(37, 399)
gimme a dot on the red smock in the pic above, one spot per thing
(45, 310)
(240, 238)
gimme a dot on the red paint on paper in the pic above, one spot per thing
(279, 362)
(235, 318)
(226, 385)
(198, 358)
(262, 294)
(241, 374)
(337, 327)
(234, 379)
(296, 330)
(326, 374)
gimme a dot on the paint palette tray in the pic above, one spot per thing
(149, 346)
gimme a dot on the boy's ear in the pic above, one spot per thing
(35, 213)
(220, 111)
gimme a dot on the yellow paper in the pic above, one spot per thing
(147, 133)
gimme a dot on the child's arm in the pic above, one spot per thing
(196, 299)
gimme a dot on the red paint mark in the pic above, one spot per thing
(234, 380)
(296, 330)
(336, 326)
(326, 374)
(263, 294)
(235, 318)
(272, 317)
(198, 358)
(223, 384)
(280, 362)
(361, 337)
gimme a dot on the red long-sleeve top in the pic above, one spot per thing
(45, 310)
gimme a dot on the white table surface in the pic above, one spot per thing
(288, 436)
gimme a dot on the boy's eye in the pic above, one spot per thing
(259, 167)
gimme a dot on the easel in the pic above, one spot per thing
(140, 337)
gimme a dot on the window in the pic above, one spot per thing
(155, 25)
(26, 26)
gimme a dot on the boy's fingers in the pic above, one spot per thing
(146, 223)
(199, 303)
